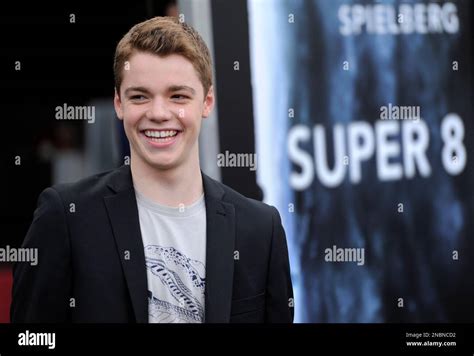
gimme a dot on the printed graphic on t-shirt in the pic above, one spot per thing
(177, 287)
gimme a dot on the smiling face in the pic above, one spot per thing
(162, 104)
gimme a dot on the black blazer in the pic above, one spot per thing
(91, 262)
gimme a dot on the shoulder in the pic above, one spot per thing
(90, 188)
(251, 208)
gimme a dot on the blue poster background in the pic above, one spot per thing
(327, 65)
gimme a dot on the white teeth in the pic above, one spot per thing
(162, 134)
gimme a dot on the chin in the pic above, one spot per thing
(163, 164)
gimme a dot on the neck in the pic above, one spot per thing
(171, 187)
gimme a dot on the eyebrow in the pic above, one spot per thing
(139, 89)
(171, 89)
(174, 88)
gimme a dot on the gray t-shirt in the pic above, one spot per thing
(175, 254)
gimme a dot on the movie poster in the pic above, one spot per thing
(364, 138)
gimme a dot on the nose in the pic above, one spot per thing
(159, 111)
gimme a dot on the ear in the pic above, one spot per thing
(118, 105)
(208, 102)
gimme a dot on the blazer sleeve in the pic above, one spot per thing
(279, 291)
(41, 292)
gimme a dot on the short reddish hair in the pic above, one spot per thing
(164, 36)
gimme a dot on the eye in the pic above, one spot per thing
(137, 97)
(180, 97)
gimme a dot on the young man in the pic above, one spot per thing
(156, 241)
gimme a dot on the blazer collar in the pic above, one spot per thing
(220, 240)
(123, 215)
(220, 220)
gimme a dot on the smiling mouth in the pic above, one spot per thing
(160, 136)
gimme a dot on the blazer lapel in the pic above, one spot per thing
(220, 222)
(123, 214)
